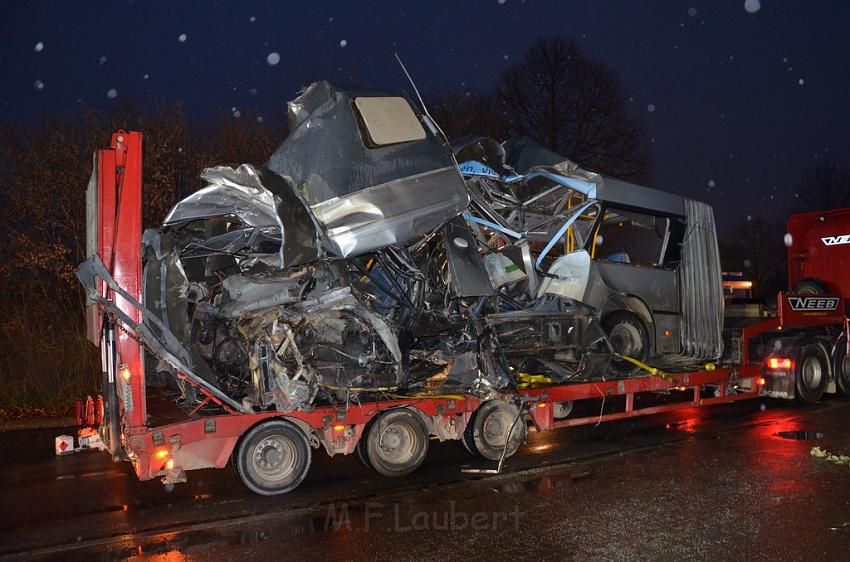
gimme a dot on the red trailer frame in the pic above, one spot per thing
(209, 441)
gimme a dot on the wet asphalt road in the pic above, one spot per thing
(714, 483)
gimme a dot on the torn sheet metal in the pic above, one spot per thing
(469, 277)
(371, 172)
(256, 199)
(393, 213)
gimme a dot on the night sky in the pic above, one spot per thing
(738, 100)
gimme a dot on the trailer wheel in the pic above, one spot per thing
(360, 450)
(396, 443)
(811, 372)
(810, 286)
(486, 434)
(273, 457)
(841, 366)
(628, 336)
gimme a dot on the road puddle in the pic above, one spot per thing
(799, 435)
(543, 484)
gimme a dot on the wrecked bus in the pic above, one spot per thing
(369, 260)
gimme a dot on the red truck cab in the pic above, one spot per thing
(819, 253)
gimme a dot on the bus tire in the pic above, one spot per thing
(628, 336)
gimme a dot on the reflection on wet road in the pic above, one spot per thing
(719, 482)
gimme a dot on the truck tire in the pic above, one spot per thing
(811, 371)
(628, 336)
(841, 366)
(810, 286)
(396, 443)
(273, 457)
(487, 431)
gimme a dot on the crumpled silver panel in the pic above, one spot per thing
(392, 213)
(701, 285)
(231, 191)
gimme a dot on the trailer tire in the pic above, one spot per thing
(273, 457)
(811, 371)
(396, 442)
(360, 448)
(628, 336)
(841, 366)
(486, 432)
(810, 286)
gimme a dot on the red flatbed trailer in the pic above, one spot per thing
(207, 441)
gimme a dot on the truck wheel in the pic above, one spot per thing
(810, 287)
(810, 372)
(396, 443)
(841, 367)
(486, 434)
(627, 336)
(273, 457)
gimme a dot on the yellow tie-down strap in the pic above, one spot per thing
(526, 380)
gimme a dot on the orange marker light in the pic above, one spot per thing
(124, 373)
(339, 427)
(162, 453)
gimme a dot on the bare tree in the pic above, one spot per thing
(825, 185)
(576, 106)
(460, 113)
(45, 171)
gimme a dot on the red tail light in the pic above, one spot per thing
(780, 363)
